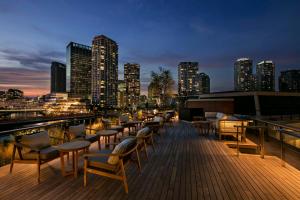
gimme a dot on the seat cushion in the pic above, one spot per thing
(101, 161)
(220, 115)
(123, 147)
(210, 114)
(45, 154)
(143, 132)
(36, 141)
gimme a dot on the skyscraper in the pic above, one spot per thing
(132, 81)
(121, 94)
(289, 81)
(265, 76)
(79, 65)
(243, 75)
(58, 77)
(104, 71)
(203, 83)
(187, 72)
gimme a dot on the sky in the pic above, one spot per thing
(156, 33)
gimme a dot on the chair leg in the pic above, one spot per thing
(124, 177)
(38, 168)
(99, 144)
(138, 160)
(152, 142)
(145, 147)
(12, 159)
(84, 173)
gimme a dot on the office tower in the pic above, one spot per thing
(58, 77)
(132, 81)
(104, 72)
(265, 76)
(243, 75)
(187, 72)
(79, 64)
(203, 83)
(121, 94)
(289, 81)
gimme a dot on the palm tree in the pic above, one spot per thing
(162, 84)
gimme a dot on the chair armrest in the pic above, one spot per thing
(85, 156)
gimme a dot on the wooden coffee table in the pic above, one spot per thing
(73, 147)
(107, 134)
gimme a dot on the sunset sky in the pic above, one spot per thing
(152, 33)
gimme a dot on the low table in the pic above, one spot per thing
(118, 128)
(107, 134)
(73, 147)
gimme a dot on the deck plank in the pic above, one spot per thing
(184, 165)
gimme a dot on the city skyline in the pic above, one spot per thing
(212, 36)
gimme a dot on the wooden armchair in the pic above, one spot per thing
(111, 163)
(33, 149)
(144, 137)
(79, 133)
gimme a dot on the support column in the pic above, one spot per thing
(257, 105)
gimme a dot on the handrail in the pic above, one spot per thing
(45, 124)
(279, 125)
(283, 130)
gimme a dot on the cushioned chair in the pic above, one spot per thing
(79, 133)
(33, 149)
(108, 125)
(111, 163)
(227, 127)
(144, 137)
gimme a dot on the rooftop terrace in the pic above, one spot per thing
(184, 166)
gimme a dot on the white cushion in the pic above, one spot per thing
(121, 148)
(220, 115)
(143, 132)
(210, 114)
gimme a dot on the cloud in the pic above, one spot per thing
(40, 60)
(32, 82)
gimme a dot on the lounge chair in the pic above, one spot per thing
(79, 133)
(33, 149)
(111, 163)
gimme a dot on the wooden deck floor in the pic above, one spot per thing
(184, 166)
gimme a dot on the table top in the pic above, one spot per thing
(74, 145)
(107, 132)
(116, 127)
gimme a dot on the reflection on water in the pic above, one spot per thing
(6, 142)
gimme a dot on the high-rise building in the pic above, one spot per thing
(265, 76)
(187, 72)
(132, 81)
(243, 75)
(104, 71)
(121, 94)
(58, 77)
(79, 65)
(203, 83)
(289, 81)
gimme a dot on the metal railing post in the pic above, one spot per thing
(262, 143)
(282, 148)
